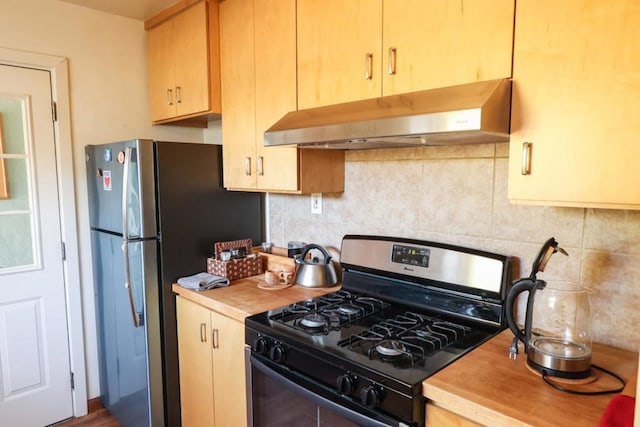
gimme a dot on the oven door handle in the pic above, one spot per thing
(356, 417)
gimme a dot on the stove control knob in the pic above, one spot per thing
(345, 384)
(261, 346)
(370, 396)
(277, 353)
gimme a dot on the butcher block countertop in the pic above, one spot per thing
(243, 297)
(484, 386)
(489, 388)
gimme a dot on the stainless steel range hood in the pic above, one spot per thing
(471, 113)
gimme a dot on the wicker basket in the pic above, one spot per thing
(235, 268)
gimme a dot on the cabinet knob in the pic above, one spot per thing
(169, 97)
(247, 166)
(526, 158)
(260, 166)
(391, 69)
(203, 332)
(368, 65)
(214, 338)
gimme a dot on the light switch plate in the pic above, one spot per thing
(316, 203)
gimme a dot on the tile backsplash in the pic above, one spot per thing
(458, 195)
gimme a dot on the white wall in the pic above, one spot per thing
(108, 90)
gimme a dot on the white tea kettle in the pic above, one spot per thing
(315, 273)
(557, 326)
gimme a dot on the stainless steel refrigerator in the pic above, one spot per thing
(156, 210)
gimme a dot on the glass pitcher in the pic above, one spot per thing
(557, 327)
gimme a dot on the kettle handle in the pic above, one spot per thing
(518, 287)
(310, 246)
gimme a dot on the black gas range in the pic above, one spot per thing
(358, 356)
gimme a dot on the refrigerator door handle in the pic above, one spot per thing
(128, 285)
(125, 192)
(125, 234)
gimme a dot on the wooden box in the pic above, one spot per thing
(235, 268)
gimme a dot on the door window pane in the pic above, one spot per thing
(18, 184)
(16, 207)
(15, 233)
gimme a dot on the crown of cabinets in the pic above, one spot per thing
(359, 49)
(258, 71)
(574, 128)
(183, 60)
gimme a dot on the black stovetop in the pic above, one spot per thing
(393, 341)
(406, 309)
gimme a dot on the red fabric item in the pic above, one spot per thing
(619, 412)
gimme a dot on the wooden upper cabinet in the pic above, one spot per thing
(192, 60)
(258, 64)
(575, 100)
(438, 43)
(237, 67)
(275, 84)
(364, 49)
(339, 51)
(182, 49)
(162, 72)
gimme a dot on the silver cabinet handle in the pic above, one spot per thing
(203, 332)
(526, 158)
(368, 65)
(247, 166)
(392, 61)
(260, 166)
(214, 338)
(169, 97)
(178, 94)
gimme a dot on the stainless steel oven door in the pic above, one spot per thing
(278, 397)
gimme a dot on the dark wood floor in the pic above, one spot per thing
(97, 418)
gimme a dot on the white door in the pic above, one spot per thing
(35, 378)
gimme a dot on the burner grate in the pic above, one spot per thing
(405, 340)
(328, 312)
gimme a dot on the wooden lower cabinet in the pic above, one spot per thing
(212, 371)
(438, 417)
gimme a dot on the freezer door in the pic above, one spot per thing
(121, 186)
(130, 369)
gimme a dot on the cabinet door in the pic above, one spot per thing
(575, 95)
(440, 43)
(192, 60)
(161, 71)
(275, 80)
(230, 390)
(195, 361)
(334, 37)
(237, 67)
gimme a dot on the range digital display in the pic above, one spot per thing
(411, 255)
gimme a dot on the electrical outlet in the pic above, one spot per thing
(316, 203)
